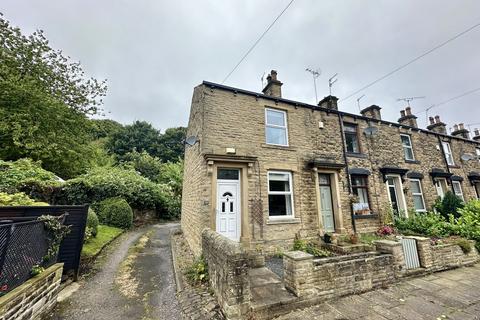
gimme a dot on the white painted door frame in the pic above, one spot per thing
(402, 204)
(228, 208)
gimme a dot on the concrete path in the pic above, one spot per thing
(135, 281)
(453, 294)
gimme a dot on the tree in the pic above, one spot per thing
(103, 128)
(139, 136)
(171, 145)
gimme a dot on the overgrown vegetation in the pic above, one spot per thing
(56, 232)
(311, 248)
(115, 212)
(197, 273)
(449, 205)
(104, 236)
(92, 225)
(18, 199)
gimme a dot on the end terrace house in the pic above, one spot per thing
(261, 169)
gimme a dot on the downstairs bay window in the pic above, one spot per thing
(280, 195)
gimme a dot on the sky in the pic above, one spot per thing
(153, 53)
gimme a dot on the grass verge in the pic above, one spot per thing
(104, 236)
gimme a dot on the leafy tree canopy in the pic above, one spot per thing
(172, 146)
(103, 128)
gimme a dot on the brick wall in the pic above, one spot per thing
(228, 266)
(33, 299)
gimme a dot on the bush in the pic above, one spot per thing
(171, 176)
(430, 224)
(449, 205)
(465, 245)
(115, 212)
(309, 247)
(92, 222)
(197, 273)
(18, 199)
(114, 182)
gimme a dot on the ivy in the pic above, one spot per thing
(56, 232)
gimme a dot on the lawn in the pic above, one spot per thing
(105, 234)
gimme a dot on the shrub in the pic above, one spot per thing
(103, 183)
(197, 273)
(311, 248)
(450, 204)
(465, 245)
(115, 212)
(18, 199)
(429, 224)
(92, 222)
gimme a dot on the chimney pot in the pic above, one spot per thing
(437, 119)
(461, 126)
(402, 113)
(274, 86)
(408, 111)
(455, 127)
(273, 74)
(431, 120)
(477, 132)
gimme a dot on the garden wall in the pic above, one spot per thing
(34, 298)
(228, 266)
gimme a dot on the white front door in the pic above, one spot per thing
(439, 186)
(326, 206)
(395, 195)
(228, 204)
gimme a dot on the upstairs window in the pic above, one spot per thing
(280, 195)
(457, 187)
(478, 154)
(417, 194)
(351, 138)
(276, 127)
(407, 147)
(448, 153)
(360, 190)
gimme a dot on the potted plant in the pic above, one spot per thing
(327, 237)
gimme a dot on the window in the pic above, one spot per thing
(360, 189)
(407, 147)
(351, 138)
(276, 127)
(227, 174)
(417, 194)
(457, 188)
(478, 154)
(448, 153)
(280, 200)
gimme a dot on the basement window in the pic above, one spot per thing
(276, 127)
(280, 195)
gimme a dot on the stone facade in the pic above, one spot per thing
(33, 299)
(229, 125)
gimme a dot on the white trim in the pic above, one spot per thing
(290, 193)
(419, 194)
(441, 182)
(399, 191)
(459, 188)
(477, 150)
(285, 126)
(447, 149)
(408, 147)
(238, 202)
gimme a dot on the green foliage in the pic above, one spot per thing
(449, 205)
(171, 176)
(105, 235)
(36, 270)
(18, 199)
(171, 145)
(115, 212)
(92, 222)
(197, 273)
(103, 183)
(311, 248)
(465, 245)
(103, 128)
(56, 232)
(148, 166)
(430, 224)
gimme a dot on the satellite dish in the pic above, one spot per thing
(191, 140)
(370, 131)
(467, 157)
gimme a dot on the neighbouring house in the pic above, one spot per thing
(261, 169)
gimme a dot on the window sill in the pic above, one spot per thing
(454, 166)
(283, 221)
(365, 216)
(356, 155)
(412, 161)
(278, 147)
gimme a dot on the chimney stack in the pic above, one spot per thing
(460, 131)
(476, 136)
(437, 125)
(408, 119)
(274, 86)
(372, 112)
(329, 102)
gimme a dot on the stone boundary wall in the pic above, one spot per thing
(228, 266)
(33, 299)
(328, 278)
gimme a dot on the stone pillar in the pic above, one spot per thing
(424, 249)
(395, 249)
(298, 273)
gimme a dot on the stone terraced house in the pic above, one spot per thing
(261, 169)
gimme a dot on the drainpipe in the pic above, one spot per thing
(445, 161)
(345, 158)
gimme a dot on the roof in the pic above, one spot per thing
(340, 113)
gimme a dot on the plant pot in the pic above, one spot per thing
(327, 238)
(354, 239)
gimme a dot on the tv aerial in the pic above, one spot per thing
(407, 100)
(315, 74)
(331, 81)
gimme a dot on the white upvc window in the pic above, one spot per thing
(407, 147)
(457, 187)
(280, 195)
(478, 154)
(417, 194)
(276, 131)
(448, 153)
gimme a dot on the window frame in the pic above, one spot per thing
(365, 186)
(407, 147)
(290, 193)
(461, 196)
(418, 194)
(357, 137)
(449, 154)
(477, 151)
(285, 126)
